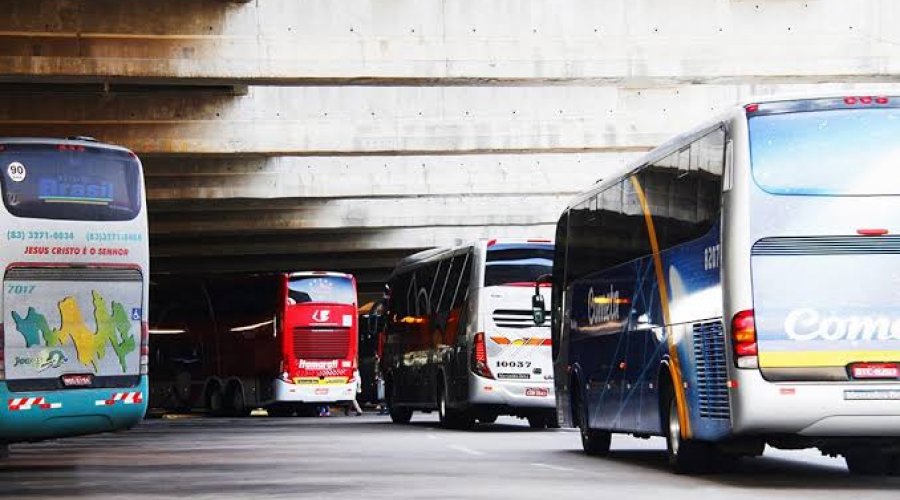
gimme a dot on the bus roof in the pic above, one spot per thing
(705, 127)
(304, 274)
(434, 254)
(56, 141)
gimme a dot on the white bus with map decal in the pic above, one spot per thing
(74, 262)
(462, 337)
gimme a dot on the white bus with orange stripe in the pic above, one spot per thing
(73, 347)
(461, 336)
(737, 287)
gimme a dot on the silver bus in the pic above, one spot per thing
(463, 337)
(740, 286)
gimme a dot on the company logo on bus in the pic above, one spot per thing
(317, 365)
(321, 315)
(809, 324)
(604, 308)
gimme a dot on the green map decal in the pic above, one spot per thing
(91, 346)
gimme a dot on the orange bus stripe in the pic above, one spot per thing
(675, 366)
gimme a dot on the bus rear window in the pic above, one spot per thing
(842, 152)
(517, 264)
(89, 183)
(334, 289)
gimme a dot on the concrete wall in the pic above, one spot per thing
(281, 134)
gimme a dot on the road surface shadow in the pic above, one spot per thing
(760, 472)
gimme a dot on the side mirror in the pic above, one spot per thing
(537, 300)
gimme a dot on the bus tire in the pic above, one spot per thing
(487, 418)
(450, 418)
(868, 463)
(398, 414)
(237, 407)
(214, 400)
(685, 456)
(537, 421)
(594, 442)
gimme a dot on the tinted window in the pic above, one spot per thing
(684, 190)
(333, 289)
(509, 264)
(41, 181)
(835, 152)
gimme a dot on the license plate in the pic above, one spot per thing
(321, 392)
(875, 370)
(77, 380)
(536, 391)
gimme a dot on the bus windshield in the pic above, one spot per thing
(80, 183)
(514, 264)
(842, 152)
(333, 289)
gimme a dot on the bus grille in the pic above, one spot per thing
(827, 245)
(712, 373)
(516, 318)
(321, 343)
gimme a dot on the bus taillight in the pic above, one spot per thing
(479, 357)
(743, 337)
(2, 355)
(145, 348)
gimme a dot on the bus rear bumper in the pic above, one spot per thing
(286, 392)
(484, 391)
(34, 416)
(814, 409)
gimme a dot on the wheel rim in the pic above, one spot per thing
(674, 429)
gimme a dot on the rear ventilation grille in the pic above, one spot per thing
(828, 245)
(321, 343)
(72, 274)
(515, 318)
(712, 373)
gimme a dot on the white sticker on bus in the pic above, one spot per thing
(808, 324)
(16, 171)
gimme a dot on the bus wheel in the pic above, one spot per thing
(685, 456)
(537, 421)
(398, 415)
(237, 406)
(488, 418)
(214, 403)
(868, 463)
(450, 418)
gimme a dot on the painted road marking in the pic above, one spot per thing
(464, 449)
(553, 467)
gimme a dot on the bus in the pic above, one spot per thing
(737, 287)
(284, 342)
(75, 264)
(462, 339)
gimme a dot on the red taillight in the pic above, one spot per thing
(479, 357)
(872, 232)
(145, 348)
(881, 100)
(743, 338)
(850, 101)
(2, 356)
(491, 243)
(751, 108)
(67, 147)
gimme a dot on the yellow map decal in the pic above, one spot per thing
(112, 328)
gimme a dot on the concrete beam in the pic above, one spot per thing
(185, 178)
(248, 217)
(336, 240)
(290, 42)
(387, 120)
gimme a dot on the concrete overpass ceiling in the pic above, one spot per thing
(289, 42)
(291, 134)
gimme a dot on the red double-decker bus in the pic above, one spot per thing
(282, 342)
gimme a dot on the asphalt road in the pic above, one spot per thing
(368, 457)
